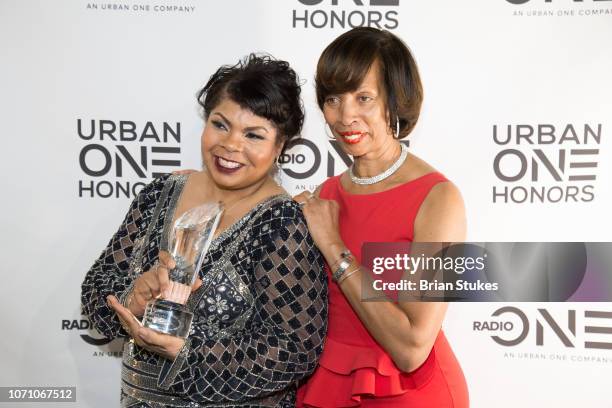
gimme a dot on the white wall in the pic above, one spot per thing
(482, 63)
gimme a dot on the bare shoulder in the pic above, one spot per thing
(443, 196)
(414, 167)
(441, 217)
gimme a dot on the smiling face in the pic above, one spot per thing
(359, 118)
(238, 147)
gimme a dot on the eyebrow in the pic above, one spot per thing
(364, 88)
(247, 129)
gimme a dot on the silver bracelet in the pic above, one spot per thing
(348, 274)
(344, 263)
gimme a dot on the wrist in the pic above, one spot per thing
(333, 251)
(129, 303)
(337, 246)
(347, 274)
(179, 348)
(339, 268)
(129, 300)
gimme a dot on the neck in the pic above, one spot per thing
(377, 162)
(229, 197)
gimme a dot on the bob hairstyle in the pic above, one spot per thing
(345, 62)
(267, 87)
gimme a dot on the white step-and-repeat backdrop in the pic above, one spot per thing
(97, 97)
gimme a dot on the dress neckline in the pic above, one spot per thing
(181, 181)
(346, 193)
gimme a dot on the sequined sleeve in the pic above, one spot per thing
(110, 274)
(290, 289)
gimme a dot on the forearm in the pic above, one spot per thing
(97, 285)
(406, 331)
(111, 273)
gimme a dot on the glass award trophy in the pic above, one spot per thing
(189, 240)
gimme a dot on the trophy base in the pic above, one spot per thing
(168, 317)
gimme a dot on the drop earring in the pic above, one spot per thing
(397, 128)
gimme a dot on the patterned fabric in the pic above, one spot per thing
(260, 314)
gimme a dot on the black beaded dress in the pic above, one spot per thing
(260, 316)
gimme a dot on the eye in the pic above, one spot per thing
(365, 98)
(332, 100)
(218, 124)
(254, 136)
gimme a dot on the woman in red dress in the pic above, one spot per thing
(379, 354)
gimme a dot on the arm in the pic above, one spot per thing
(110, 274)
(291, 299)
(406, 330)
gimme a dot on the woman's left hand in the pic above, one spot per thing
(322, 217)
(163, 344)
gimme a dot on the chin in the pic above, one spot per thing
(355, 150)
(233, 182)
(228, 182)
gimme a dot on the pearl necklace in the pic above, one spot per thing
(364, 181)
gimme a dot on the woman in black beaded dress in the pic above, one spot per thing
(260, 303)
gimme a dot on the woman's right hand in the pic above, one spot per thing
(155, 283)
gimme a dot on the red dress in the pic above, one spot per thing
(354, 370)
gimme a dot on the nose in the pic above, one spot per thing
(348, 112)
(233, 141)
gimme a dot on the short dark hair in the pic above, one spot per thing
(262, 84)
(346, 61)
